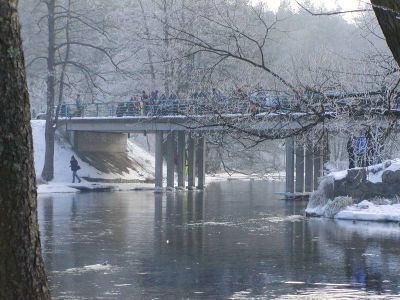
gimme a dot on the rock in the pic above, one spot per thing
(391, 177)
(356, 175)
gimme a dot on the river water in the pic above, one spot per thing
(236, 240)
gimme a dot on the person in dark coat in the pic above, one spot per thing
(74, 168)
(350, 152)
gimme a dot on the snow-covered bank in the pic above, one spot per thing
(365, 194)
(368, 211)
(139, 168)
(61, 188)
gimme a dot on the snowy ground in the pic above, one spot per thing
(367, 211)
(63, 175)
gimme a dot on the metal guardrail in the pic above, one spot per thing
(164, 108)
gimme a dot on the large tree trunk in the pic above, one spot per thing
(48, 169)
(387, 13)
(22, 274)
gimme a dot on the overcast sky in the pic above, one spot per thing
(332, 4)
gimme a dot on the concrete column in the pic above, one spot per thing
(326, 152)
(191, 162)
(181, 159)
(290, 165)
(159, 161)
(201, 163)
(309, 170)
(171, 145)
(299, 168)
(317, 166)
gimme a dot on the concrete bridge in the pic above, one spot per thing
(184, 124)
(186, 135)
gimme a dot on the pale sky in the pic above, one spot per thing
(331, 4)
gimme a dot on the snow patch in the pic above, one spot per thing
(368, 211)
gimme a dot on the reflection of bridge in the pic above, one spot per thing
(181, 138)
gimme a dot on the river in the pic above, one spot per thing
(236, 240)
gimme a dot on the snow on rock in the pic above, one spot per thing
(368, 211)
(142, 170)
(338, 191)
(339, 175)
(374, 173)
(320, 198)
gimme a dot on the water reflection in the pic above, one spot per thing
(235, 240)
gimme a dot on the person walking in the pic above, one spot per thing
(74, 168)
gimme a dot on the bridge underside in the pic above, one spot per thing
(181, 141)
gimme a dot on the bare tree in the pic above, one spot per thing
(22, 274)
(61, 43)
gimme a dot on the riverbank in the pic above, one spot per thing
(362, 194)
(65, 187)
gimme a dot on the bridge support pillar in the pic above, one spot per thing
(325, 152)
(309, 169)
(201, 162)
(181, 159)
(290, 165)
(171, 145)
(299, 168)
(317, 166)
(191, 162)
(159, 162)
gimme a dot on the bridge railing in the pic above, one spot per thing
(167, 107)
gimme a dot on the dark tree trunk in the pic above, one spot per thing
(48, 169)
(387, 13)
(22, 274)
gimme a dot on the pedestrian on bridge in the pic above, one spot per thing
(74, 168)
(79, 107)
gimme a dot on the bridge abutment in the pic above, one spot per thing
(110, 142)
